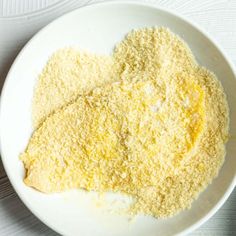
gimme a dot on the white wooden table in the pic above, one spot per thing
(218, 17)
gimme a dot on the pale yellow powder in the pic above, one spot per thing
(157, 134)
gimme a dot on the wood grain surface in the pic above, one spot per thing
(21, 19)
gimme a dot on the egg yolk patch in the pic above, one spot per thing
(156, 134)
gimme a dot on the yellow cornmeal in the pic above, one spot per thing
(158, 133)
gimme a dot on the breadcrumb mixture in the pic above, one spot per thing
(69, 72)
(157, 133)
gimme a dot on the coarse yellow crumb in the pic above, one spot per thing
(68, 73)
(157, 134)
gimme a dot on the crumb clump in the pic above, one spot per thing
(157, 134)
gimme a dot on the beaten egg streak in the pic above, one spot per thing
(157, 134)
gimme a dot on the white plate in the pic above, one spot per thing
(98, 28)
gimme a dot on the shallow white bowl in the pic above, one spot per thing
(97, 28)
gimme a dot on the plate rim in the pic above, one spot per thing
(27, 203)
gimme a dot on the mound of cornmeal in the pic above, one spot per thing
(147, 121)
